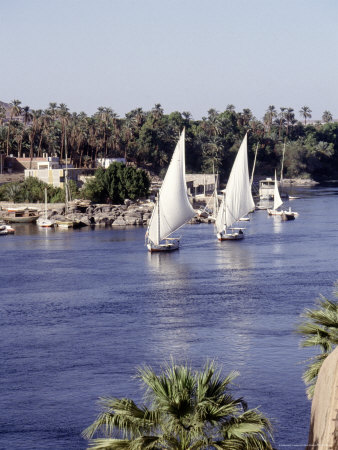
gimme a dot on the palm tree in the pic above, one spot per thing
(14, 112)
(320, 330)
(185, 409)
(63, 116)
(157, 112)
(305, 112)
(27, 115)
(187, 115)
(270, 114)
(247, 116)
(290, 118)
(327, 117)
(280, 120)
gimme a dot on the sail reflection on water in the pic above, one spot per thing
(235, 257)
(173, 307)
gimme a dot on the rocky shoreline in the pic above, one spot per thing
(84, 213)
(105, 215)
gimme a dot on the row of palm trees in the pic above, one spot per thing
(148, 137)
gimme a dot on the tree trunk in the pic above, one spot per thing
(8, 140)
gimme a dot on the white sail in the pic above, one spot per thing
(173, 208)
(277, 201)
(238, 196)
(220, 218)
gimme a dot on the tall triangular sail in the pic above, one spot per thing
(277, 201)
(238, 200)
(173, 208)
(220, 218)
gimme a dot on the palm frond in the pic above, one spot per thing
(185, 409)
(109, 444)
(320, 329)
(123, 415)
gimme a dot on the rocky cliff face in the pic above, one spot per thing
(324, 412)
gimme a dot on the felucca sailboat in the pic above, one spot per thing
(172, 209)
(277, 201)
(237, 198)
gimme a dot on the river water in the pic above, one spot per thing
(81, 309)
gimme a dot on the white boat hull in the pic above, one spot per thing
(44, 223)
(274, 212)
(168, 246)
(235, 236)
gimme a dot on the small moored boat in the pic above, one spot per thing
(43, 221)
(26, 215)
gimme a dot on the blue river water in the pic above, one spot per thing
(80, 310)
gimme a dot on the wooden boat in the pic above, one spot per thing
(64, 223)
(237, 198)
(25, 215)
(172, 209)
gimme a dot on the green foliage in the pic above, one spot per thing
(319, 330)
(32, 190)
(184, 409)
(148, 138)
(117, 183)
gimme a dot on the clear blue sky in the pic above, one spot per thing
(188, 55)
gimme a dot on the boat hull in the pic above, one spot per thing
(274, 212)
(230, 236)
(44, 223)
(288, 216)
(167, 247)
(64, 224)
(28, 219)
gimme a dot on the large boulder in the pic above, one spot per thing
(323, 432)
(133, 220)
(119, 222)
(103, 220)
(87, 220)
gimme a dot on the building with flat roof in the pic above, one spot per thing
(201, 183)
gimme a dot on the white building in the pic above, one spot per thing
(105, 162)
(50, 171)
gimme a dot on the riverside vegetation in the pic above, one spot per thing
(147, 138)
(319, 330)
(184, 409)
(189, 409)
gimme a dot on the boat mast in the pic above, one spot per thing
(254, 165)
(158, 218)
(66, 177)
(45, 203)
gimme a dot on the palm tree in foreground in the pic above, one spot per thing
(319, 330)
(184, 410)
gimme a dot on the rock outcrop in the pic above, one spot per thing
(323, 432)
(84, 213)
